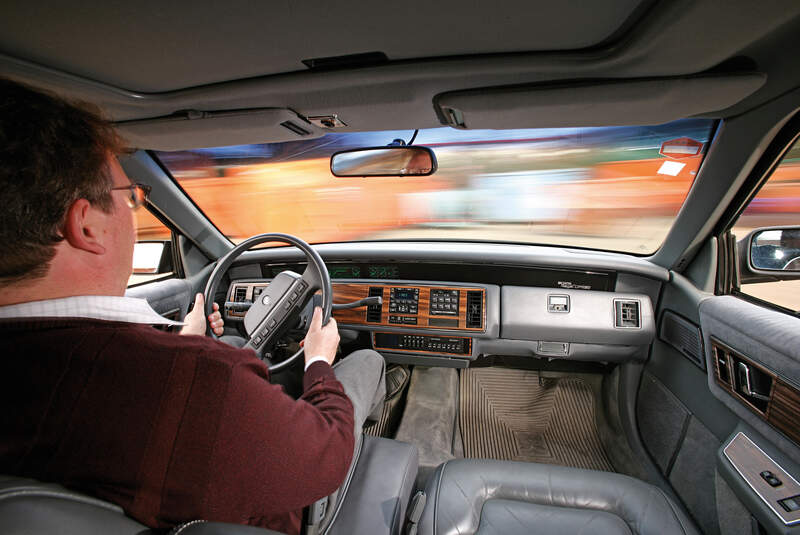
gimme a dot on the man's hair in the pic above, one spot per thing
(52, 153)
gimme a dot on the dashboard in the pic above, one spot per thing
(448, 314)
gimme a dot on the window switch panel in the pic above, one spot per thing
(770, 478)
(791, 504)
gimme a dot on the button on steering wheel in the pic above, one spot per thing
(268, 318)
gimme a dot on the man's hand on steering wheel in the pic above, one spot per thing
(195, 323)
(276, 310)
(321, 341)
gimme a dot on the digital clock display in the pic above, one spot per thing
(403, 293)
(384, 272)
(363, 271)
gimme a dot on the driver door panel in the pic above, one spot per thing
(171, 298)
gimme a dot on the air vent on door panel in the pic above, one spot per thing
(374, 311)
(474, 310)
(626, 314)
(684, 336)
(240, 294)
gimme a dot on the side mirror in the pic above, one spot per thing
(152, 257)
(770, 254)
(401, 160)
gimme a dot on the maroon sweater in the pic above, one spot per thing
(172, 428)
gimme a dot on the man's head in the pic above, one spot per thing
(57, 171)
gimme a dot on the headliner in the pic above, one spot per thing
(153, 59)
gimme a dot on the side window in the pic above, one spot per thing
(152, 254)
(768, 237)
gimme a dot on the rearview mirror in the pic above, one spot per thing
(384, 161)
(775, 249)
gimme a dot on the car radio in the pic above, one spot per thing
(404, 300)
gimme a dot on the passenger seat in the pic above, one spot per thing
(468, 496)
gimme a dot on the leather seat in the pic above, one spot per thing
(375, 503)
(493, 497)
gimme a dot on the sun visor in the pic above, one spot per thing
(606, 103)
(199, 129)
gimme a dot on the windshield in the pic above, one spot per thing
(615, 188)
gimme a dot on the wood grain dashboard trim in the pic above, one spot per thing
(348, 292)
(783, 407)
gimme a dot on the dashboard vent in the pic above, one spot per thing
(474, 310)
(626, 314)
(684, 336)
(374, 311)
(240, 294)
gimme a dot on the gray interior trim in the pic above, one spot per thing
(166, 295)
(591, 319)
(683, 297)
(467, 252)
(635, 284)
(690, 384)
(702, 271)
(201, 129)
(628, 102)
(630, 376)
(184, 215)
(424, 360)
(576, 351)
(671, 39)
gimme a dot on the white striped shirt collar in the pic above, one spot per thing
(98, 307)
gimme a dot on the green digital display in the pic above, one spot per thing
(384, 272)
(363, 271)
(344, 272)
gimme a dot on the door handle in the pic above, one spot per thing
(746, 383)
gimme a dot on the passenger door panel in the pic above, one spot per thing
(767, 343)
(689, 416)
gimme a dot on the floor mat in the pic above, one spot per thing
(508, 414)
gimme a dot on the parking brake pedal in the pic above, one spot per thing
(415, 509)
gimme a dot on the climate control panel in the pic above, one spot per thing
(444, 302)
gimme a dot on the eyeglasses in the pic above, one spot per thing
(138, 194)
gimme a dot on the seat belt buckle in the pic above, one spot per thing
(316, 512)
(415, 509)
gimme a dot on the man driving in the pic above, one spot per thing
(172, 428)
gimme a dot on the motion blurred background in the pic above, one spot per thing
(615, 188)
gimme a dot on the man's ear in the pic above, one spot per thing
(83, 227)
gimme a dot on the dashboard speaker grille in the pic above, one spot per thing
(374, 311)
(474, 310)
(683, 335)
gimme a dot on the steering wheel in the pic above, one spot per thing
(288, 293)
